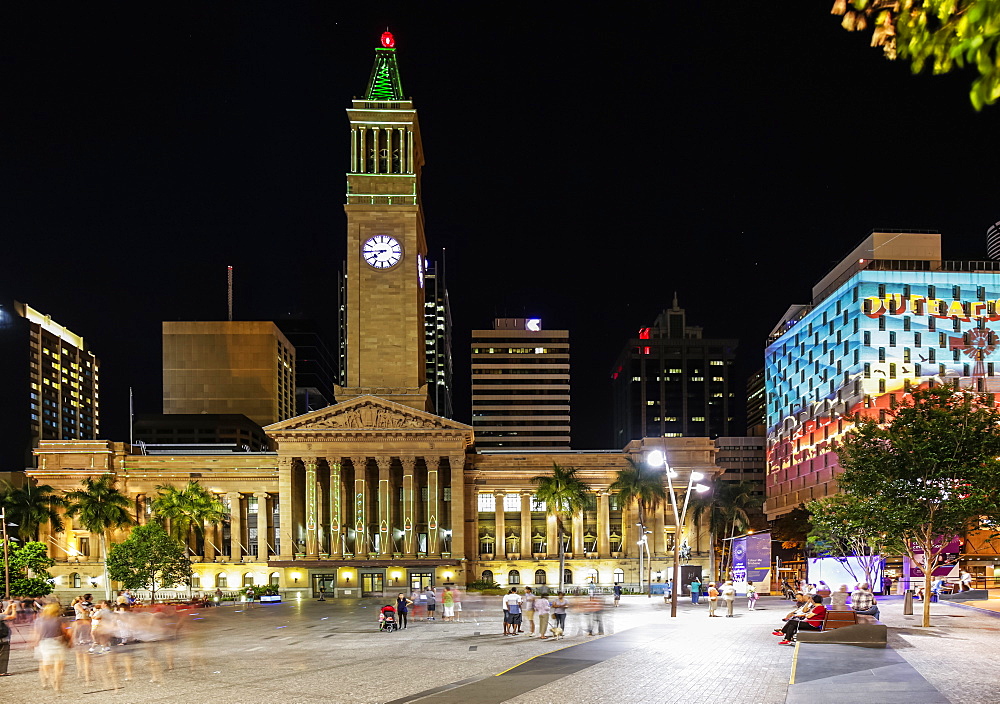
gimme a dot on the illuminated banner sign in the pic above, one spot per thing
(752, 558)
(898, 304)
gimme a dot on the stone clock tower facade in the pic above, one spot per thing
(386, 248)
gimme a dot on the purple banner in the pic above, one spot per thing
(740, 560)
(758, 556)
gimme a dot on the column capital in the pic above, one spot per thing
(409, 463)
(359, 460)
(233, 495)
(527, 493)
(383, 461)
(261, 495)
(499, 493)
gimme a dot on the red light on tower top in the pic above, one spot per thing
(388, 41)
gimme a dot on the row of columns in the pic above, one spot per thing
(366, 139)
(332, 504)
(656, 522)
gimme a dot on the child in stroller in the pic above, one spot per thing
(387, 619)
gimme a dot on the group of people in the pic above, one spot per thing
(726, 591)
(810, 610)
(423, 604)
(520, 610)
(117, 629)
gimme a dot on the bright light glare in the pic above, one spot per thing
(700, 488)
(656, 459)
(697, 476)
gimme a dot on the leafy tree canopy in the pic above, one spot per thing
(792, 528)
(942, 34)
(930, 472)
(30, 506)
(149, 559)
(842, 528)
(31, 558)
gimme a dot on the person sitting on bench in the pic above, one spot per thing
(812, 620)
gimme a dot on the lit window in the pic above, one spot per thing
(716, 363)
(487, 503)
(676, 371)
(650, 403)
(697, 378)
(637, 378)
(717, 378)
(698, 419)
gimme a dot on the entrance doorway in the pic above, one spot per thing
(421, 580)
(371, 584)
(326, 582)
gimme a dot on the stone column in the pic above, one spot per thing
(336, 509)
(500, 546)
(312, 509)
(551, 536)
(659, 546)
(235, 527)
(263, 526)
(603, 525)
(409, 509)
(433, 507)
(209, 531)
(472, 535)
(526, 525)
(577, 543)
(359, 501)
(457, 465)
(285, 503)
(384, 503)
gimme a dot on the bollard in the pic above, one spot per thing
(908, 602)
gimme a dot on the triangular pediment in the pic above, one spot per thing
(366, 413)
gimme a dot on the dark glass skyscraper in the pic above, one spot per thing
(671, 382)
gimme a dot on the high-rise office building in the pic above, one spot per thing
(756, 405)
(315, 365)
(437, 327)
(231, 366)
(51, 384)
(993, 241)
(671, 382)
(892, 317)
(520, 386)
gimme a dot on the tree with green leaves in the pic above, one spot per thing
(842, 529)
(29, 574)
(188, 510)
(642, 486)
(31, 506)
(928, 473)
(149, 559)
(564, 495)
(942, 34)
(102, 509)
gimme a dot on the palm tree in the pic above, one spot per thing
(188, 510)
(564, 495)
(726, 509)
(31, 506)
(101, 508)
(638, 484)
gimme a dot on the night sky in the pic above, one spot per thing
(583, 162)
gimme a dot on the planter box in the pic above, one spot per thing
(270, 599)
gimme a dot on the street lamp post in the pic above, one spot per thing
(657, 458)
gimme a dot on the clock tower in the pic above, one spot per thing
(386, 249)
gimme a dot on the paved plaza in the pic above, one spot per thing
(331, 651)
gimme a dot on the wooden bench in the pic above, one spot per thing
(848, 628)
(833, 620)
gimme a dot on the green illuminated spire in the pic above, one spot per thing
(384, 83)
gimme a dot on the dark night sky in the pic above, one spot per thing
(583, 162)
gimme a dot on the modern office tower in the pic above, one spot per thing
(182, 432)
(520, 386)
(231, 366)
(437, 327)
(756, 405)
(51, 384)
(315, 365)
(743, 459)
(671, 382)
(893, 316)
(993, 241)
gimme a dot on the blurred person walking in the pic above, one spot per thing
(528, 611)
(431, 603)
(838, 599)
(695, 590)
(457, 595)
(752, 596)
(7, 617)
(50, 647)
(448, 602)
(713, 599)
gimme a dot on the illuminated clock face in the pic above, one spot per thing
(382, 252)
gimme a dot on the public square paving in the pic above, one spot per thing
(308, 651)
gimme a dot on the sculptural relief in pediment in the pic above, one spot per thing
(371, 415)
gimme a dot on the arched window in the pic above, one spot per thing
(619, 575)
(592, 577)
(539, 576)
(487, 575)
(248, 580)
(513, 577)
(75, 577)
(196, 581)
(567, 576)
(221, 580)
(274, 579)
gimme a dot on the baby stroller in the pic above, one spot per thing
(387, 619)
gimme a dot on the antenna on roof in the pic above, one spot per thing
(229, 273)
